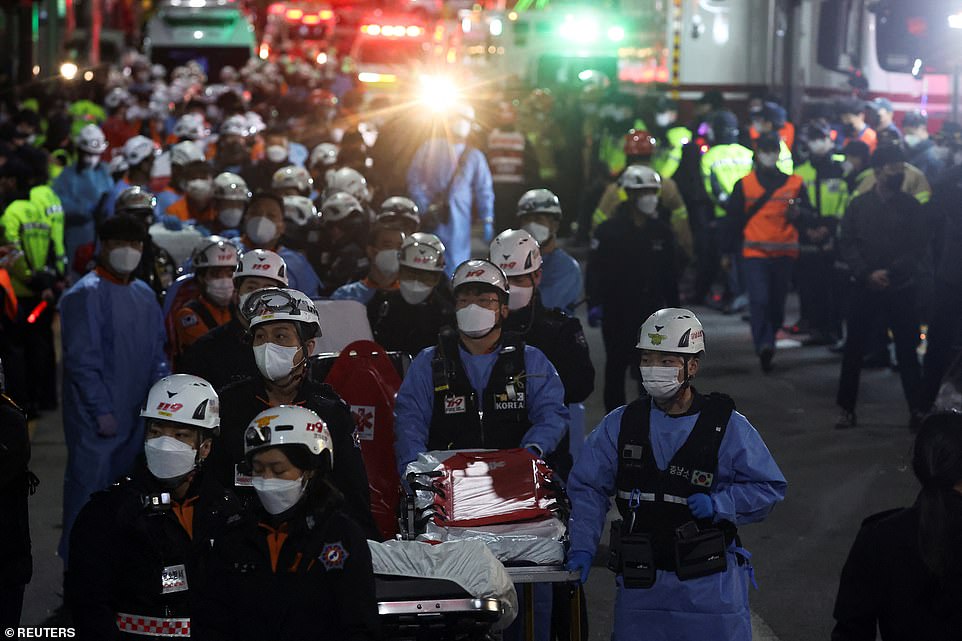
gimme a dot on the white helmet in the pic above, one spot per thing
(191, 126)
(539, 201)
(292, 177)
(293, 426)
(478, 270)
(158, 72)
(117, 97)
(215, 252)
(185, 399)
(184, 153)
(236, 126)
(91, 140)
(299, 210)
(117, 165)
(255, 122)
(228, 186)
(138, 149)
(516, 252)
(351, 181)
(672, 330)
(262, 263)
(423, 251)
(276, 304)
(324, 154)
(135, 200)
(400, 207)
(340, 206)
(640, 177)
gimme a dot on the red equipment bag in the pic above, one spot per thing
(484, 488)
(365, 378)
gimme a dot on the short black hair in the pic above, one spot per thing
(769, 141)
(858, 149)
(887, 154)
(122, 227)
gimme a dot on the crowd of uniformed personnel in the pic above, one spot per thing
(214, 482)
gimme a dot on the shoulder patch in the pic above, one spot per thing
(333, 556)
(189, 320)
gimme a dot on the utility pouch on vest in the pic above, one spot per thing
(699, 552)
(633, 557)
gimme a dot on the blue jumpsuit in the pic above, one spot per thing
(749, 484)
(113, 351)
(81, 191)
(359, 290)
(562, 283)
(428, 176)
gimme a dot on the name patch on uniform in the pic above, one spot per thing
(333, 556)
(174, 579)
(363, 421)
(702, 479)
(508, 401)
(455, 405)
(241, 479)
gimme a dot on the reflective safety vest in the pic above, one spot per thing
(829, 196)
(460, 420)
(25, 225)
(506, 157)
(654, 501)
(49, 203)
(785, 163)
(668, 157)
(721, 167)
(768, 233)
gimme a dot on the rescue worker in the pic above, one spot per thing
(772, 117)
(411, 317)
(322, 161)
(342, 258)
(292, 181)
(139, 152)
(223, 355)
(882, 240)
(350, 181)
(685, 470)
(539, 213)
(83, 187)
(915, 183)
(763, 210)
(852, 114)
(231, 196)
(305, 553)
(631, 273)
(283, 329)
(513, 163)
(157, 267)
(672, 137)
(558, 335)
(482, 386)
(181, 155)
(856, 164)
(195, 205)
(885, 111)
(302, 224)
(113, 351)
(383, 249)
(723, 165)
(233, 147)
(214, 262)
(138, 548)
(263, 226)
(923, 154)
(401, 213)
(819, 286)
(448, 179)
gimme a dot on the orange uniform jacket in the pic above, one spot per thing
(769, 234)
(193, 321)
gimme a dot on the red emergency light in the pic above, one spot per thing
(35, 314)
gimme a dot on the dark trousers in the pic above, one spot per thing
(898, 309)
(506, 198)
(945, 332)
(819, 288)
(33, 371)
(767, 281)
(708, 245)
(620, 335)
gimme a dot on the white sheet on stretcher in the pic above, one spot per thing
(468, 563)
(539, 542)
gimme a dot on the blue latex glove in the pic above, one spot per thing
(172, 223)
(594, 316)
(488, 231)
(701, 506)
(579, 561)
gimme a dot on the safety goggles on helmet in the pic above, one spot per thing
(276, 304)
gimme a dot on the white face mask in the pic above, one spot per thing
(387, 262)
(278, 495)
(912, 139)
(274, 361)
(820, 147)
(847, 167)
(200, 189)
(261, 230)
(168, 458)
(540, 232)
(660, 382)
(766, 159)
(475, 321)
(230, 217)
(663, 119)
(461, 128)
(124, 260)
(276, 153)
(647, 204)
(519, 297)
(220, 290)
(414, 292)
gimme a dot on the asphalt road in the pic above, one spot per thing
(835, 480)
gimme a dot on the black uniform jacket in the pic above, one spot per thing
(221, 356)
(240, 402)
(399, 326)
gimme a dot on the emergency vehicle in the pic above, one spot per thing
(214, 33)
(302, 30)
(392, 48)
(807, 51)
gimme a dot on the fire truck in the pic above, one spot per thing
(302, 30)
(393, 49)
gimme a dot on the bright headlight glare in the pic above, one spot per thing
(68, 70)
